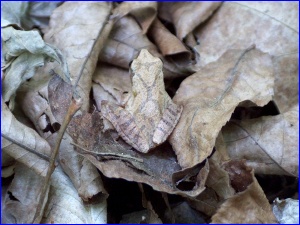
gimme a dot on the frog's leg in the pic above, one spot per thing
(167, 123)
(125, 125)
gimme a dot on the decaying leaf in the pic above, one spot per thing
(65, 206)
(124, 42)
(21, 197)
(112, 84)
(272, 27)
(248, 206)
(187, 15)
(23, 52)
(78, 35)
(210, 96)
(269, 144)
(149, 115)
(116, 159)
(144, 12)
(25, 140)
(286, 211)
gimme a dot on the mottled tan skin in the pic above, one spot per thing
(149, 115)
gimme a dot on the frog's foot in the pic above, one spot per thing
(167, 123)
(125, 125)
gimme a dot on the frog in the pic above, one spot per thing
(149, 116)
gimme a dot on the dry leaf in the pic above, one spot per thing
(272, 27)
(186, 16)
(149, 115)
(21, 198)
(158, 168)
(12, 13)
(65, 206)
(248, 206)
(23, 52)
(286, 211)
(25, 139)
(167, 43)
(210, 96)
(111, 83)
(144, 12)
(184, 214)
(78, 34)
(269, 144)
(125, 41)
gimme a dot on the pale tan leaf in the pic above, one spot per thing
(114, 81)
(273, 27)
(144, 12)
(78, 34)
(210, 96)
(186, 16)
(65, 206)
(24, 136)
(248, 206)
(20, 205)
(269, 144)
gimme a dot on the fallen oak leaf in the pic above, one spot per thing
(155, 168)
(248, 206)
(210, 96)
(253, 24)
(269, 143)
(65, 206)
(81, 52)
(144, 12)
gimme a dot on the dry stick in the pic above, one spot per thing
(107, 153)
(73, 108)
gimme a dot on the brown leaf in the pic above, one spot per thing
(144, 12)
(249, 206)
(114, 82)
(167, 43)
(125, 41)
(272, 27)
(186, 16)
(117, 160)
(79, 35)
(19, 141)
(269, 144)
(210, 96)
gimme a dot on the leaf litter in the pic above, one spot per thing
(201, 162)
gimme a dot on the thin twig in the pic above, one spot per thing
(73, 108)
(108, 153)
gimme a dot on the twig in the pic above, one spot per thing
(73, 108)
(108, 153)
